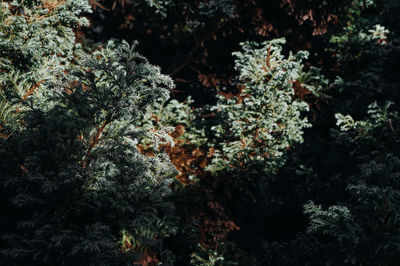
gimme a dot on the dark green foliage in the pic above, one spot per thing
(249, 136)
(253, 130)
(194, 40)
(290, 164)
(351, 176)
(74, 181)
(36, 45)
(363, 228)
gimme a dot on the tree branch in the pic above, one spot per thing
(94, 140)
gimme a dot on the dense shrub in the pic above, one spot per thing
(75, 188)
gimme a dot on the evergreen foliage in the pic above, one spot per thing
(194, 40)
(258, 203)
(350, 174)
(245, 139)
(363, 228)
(74, 176)
(36, 44)
(283, 158)
(75, 188)
(256, 128)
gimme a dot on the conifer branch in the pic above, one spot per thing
(95, 139)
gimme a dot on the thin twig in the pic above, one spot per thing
(94, 140)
